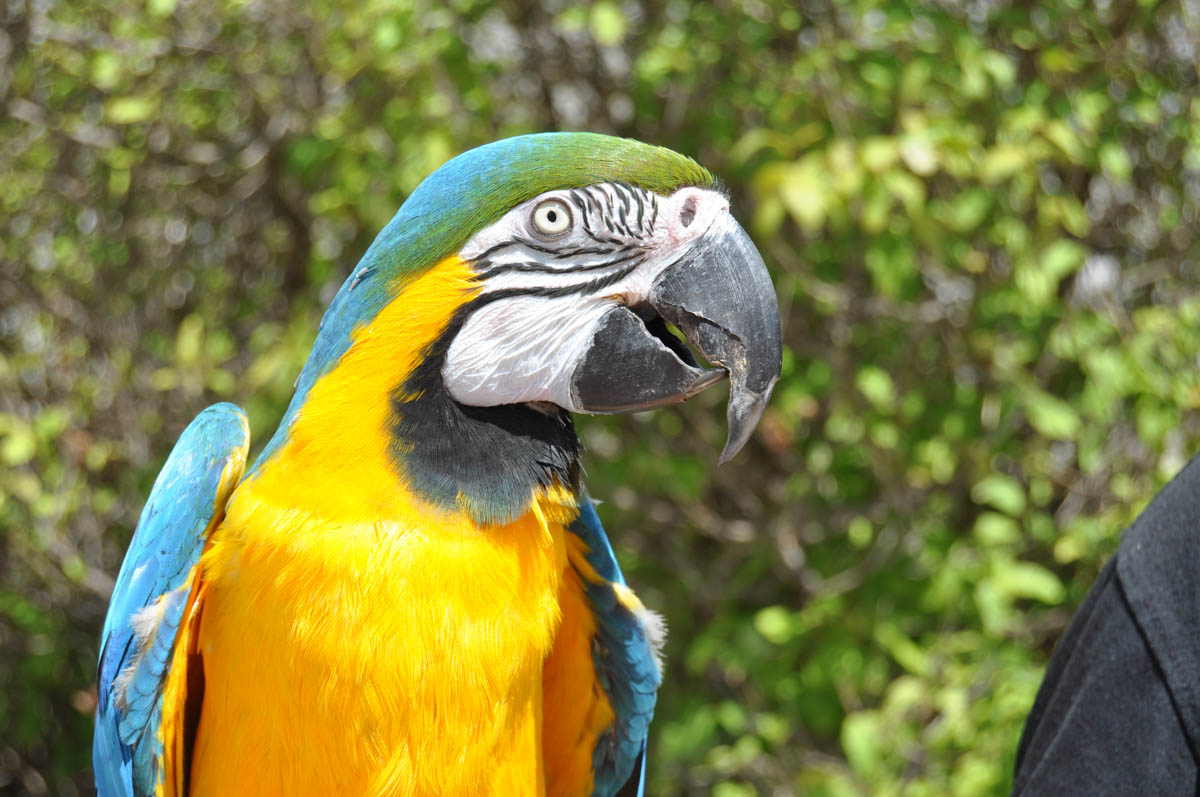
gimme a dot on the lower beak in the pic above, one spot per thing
(720, 297)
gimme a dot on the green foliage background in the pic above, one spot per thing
(981, 218)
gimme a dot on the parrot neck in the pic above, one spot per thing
(380, 422)
(489, 461)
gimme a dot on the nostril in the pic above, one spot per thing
(688, 214)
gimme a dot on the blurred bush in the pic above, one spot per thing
(982, 222)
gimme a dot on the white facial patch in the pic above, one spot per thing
(543, 295)
(500, 357)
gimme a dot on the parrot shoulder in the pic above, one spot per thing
(601, 679)
(141, 709)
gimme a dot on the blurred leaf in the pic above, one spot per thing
(607, 22)
(128, 110)
(1002, 492)
(19, 443)
(877, 386)
(906, 653)
(1051, 416)
(1061, 258)
(860, 741)
(774, 623)
(993, 529)
(1028, 580)
(189, 339)
(1001, 162)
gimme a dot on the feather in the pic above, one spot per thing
(151, 596)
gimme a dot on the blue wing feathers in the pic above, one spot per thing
(151, 594)
(623, 654)
(600, 553)
(142, 678)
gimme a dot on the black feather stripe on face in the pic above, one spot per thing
(487, 271)
(558, 291)
(486, 460)
(613, 223)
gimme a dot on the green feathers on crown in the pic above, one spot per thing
(481, 185)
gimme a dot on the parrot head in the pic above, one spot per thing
(572, 255)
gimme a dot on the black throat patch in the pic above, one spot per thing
(487, 460)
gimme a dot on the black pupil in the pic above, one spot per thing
(551, 216)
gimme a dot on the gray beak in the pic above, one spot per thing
(720, 296)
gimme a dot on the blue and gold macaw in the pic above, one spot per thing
(409, 592)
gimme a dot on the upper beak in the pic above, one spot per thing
(720, 296)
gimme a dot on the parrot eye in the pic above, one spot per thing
(551, 219)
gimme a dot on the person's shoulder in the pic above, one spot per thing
(1158, 567)
(1166, 535)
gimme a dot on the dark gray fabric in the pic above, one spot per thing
(1119, 709)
